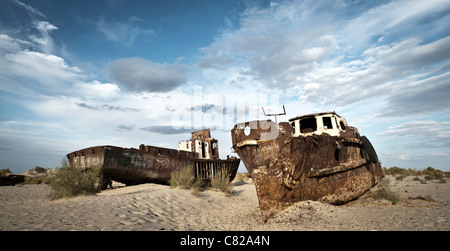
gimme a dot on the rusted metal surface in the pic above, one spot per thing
(288, 167)
(149, 164)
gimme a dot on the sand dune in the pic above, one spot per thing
(158, 207)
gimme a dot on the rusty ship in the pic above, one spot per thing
(311, 157)
(151, 164)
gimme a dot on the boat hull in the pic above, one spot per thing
(286, 169)
(147, 164)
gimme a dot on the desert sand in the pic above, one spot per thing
(159, 207)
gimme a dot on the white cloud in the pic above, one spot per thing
(29, 70)
(412, 76)
(392, 19)
(30, 8)
(276, 45)
(9, 44)
(428, 129)
(124, 33)
(416, 144)
(419, 96)
(96, 90)
(28, 73)
(44, 41)
(427, 134)
(410, 55)
(326, 55)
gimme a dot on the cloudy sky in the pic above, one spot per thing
(75, 74)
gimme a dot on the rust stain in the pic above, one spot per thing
(313, 157)
(150, 164)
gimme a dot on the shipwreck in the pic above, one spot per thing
(151, 164)
(311, 157)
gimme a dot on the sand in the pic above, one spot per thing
(159, 207)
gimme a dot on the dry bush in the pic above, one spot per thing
(385, 193)
(182, 178)
(242, 177)
(69, 182)
(222, 182)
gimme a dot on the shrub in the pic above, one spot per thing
(197, 186)
(429, 171)
(182, 178)
(39, 169)
(242, 177)
(395, 170)
(37, 180)
(69, 182)
(222, 182)
(4, 172)
(385, 193)
(432, 173)
(185, 178)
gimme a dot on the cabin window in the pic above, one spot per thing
(203, 150)
(327, 123)
(293, 127)
(342, 125)
(308, 125)
(213, 148)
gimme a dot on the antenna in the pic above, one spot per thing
(275, 114)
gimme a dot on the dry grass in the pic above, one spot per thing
(70, 182)
(430, 173)
(424, 198)
(222, 182)
(384, 192)
(242, 177)
(5, 172)
(182, 178)
(185, 178)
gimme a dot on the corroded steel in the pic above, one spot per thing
(148, 164)
(287, 169)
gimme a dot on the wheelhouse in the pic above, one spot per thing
(318, 123)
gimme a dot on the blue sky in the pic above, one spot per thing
(75, 74)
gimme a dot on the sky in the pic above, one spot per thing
(75, 74)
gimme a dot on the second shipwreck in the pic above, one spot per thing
(151, 164)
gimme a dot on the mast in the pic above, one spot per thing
(275, 114)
